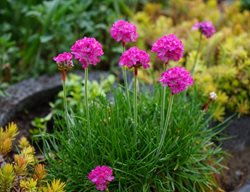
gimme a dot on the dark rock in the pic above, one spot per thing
(245, 188)
(239, 130)
(238, 163)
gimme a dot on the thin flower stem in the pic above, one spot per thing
(163, 99)
(135, 97)
(197, 53)
(163, 135)
(124, 73)
(86, 99)
(66, 114)
(126, 86)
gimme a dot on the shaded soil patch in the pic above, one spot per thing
(238, 174)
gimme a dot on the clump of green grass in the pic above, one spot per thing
(187, 161)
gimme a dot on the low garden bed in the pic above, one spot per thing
(36, 104)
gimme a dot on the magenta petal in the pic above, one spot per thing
(177, 79)
(168, 48)
(135, 57)
(123, 31)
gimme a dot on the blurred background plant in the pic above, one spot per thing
(31, 29)
(245, 4)
(224, 62)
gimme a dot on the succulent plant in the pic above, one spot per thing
(24, 172)
(224, 60)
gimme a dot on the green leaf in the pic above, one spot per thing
(46, 38)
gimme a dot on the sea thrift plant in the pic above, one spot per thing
(168, 48)
(101, 176)
(123, 31)
(177, 79)
(135, 57)
(64, 62)
(206, 28)
(174, 154)
(87, 51)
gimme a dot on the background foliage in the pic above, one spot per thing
(30, 31)
(28, 39)
(224, 61)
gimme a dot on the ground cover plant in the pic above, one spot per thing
(136, 140)
(23, 172)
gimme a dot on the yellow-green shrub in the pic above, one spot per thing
(24, 173)
(224, 60)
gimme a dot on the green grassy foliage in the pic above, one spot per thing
(187, 161)
(75, 95)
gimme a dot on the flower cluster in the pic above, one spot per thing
(64, 61)
(205, 27)
(123, 31)
(101, 176)
(168, 48)
(134, 57)
(88, 51)
(177, 79)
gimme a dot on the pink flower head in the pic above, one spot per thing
(123, 31)
(168, 48)
(64, 61)
(134, 57)
(177, 79)
(101, 176)
(88, 51)
(205, 27)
